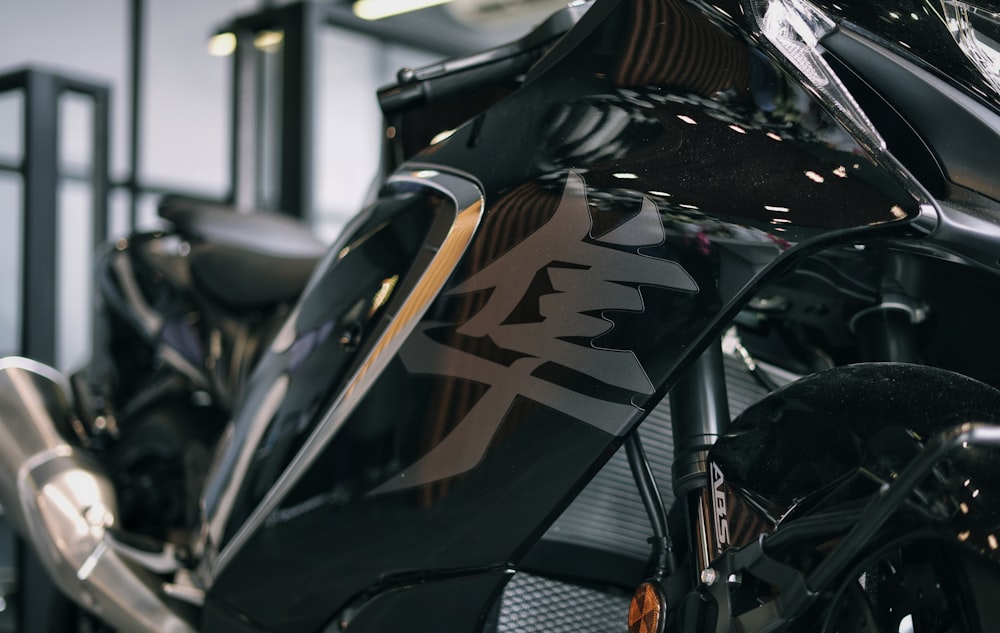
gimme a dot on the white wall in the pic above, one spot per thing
(349, 122)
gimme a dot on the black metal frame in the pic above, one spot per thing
(40, 172)
(296, 163)
(300, 24)
(137, 21)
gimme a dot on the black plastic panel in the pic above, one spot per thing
(944, 117)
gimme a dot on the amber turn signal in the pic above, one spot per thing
(645, 613)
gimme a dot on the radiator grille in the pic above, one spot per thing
(533, 604)
(608, 513)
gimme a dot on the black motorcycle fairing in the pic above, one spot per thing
(650, 116)
(451, 604)
(352, 291)
(602, 263)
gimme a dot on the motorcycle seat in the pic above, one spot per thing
(261, 232)
(245, 279)
(245, 260)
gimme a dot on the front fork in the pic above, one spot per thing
(699, 410)
(699, 417)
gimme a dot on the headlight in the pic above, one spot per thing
(794, 28)
(975, 29)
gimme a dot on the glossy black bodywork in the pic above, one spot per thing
(655, 169)
(856, 445)
(916, 28)
(803, 442)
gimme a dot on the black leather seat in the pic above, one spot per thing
(245, 260)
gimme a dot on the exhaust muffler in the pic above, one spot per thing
(59, 500)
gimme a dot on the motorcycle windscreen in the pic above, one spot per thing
(365, 295)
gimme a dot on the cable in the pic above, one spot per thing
(663, 550)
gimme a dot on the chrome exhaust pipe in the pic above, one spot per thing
(59, 500)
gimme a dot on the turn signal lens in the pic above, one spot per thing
(646, 612)
(794, 29)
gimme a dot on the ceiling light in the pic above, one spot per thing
(268, 41)
(222, 44)
(378, 9)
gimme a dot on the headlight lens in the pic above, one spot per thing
(974, 29)
(794, 28)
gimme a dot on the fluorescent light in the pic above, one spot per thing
(268, 41)
(378, 9)
(222, 44)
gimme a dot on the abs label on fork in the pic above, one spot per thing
(719, 513)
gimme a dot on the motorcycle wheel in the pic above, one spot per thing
(919, 587)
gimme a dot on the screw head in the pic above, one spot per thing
(709, 576)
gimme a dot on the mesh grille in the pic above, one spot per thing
(608, 514)
(533, 604)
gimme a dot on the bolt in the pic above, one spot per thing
(98, 516)
(349, 340)
(709, 576)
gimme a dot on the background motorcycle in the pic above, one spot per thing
(184, 314)
(483, 339)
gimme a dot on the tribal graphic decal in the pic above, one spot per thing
(588, 275)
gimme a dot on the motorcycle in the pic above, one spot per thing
(504, 398)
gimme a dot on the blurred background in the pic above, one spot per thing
(285, 120)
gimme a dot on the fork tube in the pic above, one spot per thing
(699, 411)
